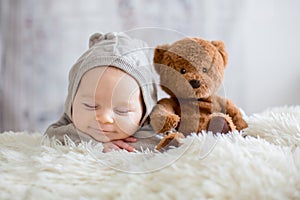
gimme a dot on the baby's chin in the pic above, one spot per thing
(110, 138)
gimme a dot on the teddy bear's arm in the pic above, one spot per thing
(237, 118)
(169, 105)
(164, 117)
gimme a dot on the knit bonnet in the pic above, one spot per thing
(123, 52)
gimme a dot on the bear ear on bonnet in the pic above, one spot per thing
(95, 38)
(221, 48)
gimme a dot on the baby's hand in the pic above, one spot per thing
(119, 144)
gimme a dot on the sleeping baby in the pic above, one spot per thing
(111, 93)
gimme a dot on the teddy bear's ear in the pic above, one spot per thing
(159, 53)
(221, 48)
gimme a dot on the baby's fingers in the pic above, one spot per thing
(123, 145)
(107, 147)
(130, 139)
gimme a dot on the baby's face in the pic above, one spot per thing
(108, 104)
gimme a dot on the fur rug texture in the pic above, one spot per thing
(263, 165)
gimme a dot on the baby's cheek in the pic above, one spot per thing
(128, 124)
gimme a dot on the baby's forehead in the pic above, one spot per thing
(108, 77)
(106, 69)
(107, 72)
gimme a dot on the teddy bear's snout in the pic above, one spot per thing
(195, 83)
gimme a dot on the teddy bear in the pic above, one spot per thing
(191, 71)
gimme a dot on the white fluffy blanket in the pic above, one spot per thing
(204, 167)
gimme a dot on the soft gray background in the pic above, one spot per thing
(41, 39)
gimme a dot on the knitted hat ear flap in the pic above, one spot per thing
(95, 38)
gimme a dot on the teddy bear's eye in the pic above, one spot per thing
(183, 71)
(204, 70)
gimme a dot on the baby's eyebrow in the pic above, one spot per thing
(86, 96)
(125, 103)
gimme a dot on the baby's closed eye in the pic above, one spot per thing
(122, 110)
(90, 106)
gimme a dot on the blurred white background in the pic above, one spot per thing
(40, 40)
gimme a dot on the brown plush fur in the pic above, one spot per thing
(191, 71)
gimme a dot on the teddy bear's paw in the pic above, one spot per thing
(220, 123)
(170, 140)
(164, 123)
(241, 124)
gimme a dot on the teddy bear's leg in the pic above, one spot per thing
(220, 123)
(171, 139)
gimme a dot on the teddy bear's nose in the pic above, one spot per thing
(195, 83)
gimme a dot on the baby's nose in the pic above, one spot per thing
(195, 83)
(104, 116)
